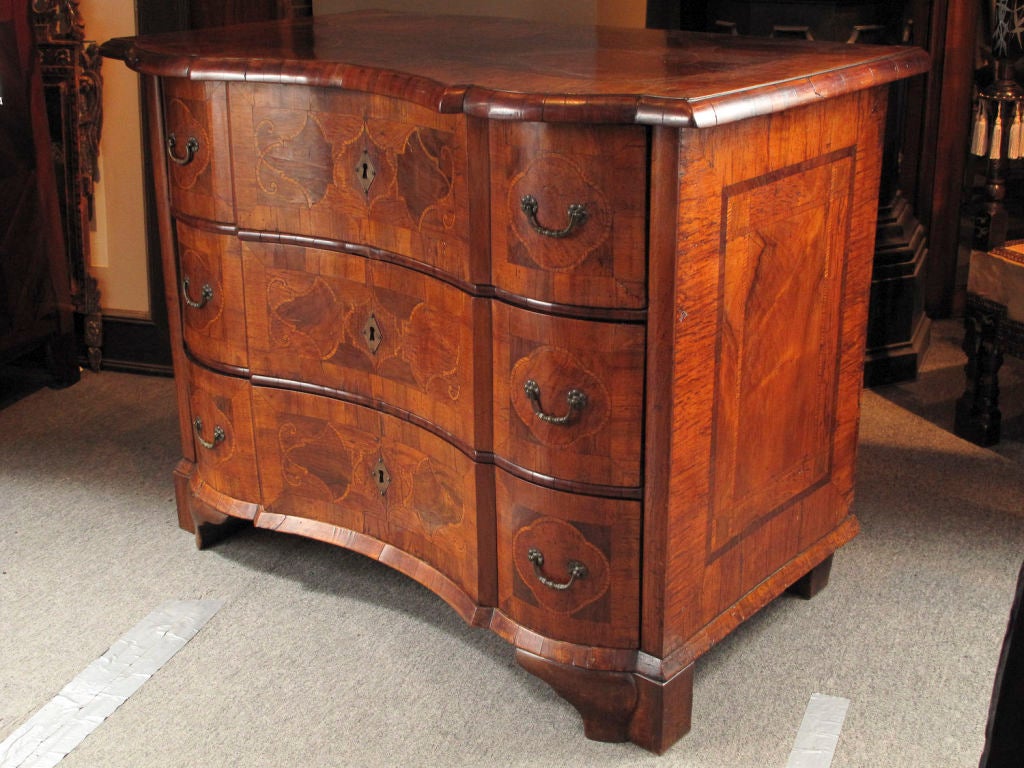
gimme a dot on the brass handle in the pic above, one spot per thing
(577, 215)
(577, 570)
(204, 295)
(191, 147)
(218, 434)
(576, 398)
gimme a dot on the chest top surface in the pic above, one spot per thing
(517, 69)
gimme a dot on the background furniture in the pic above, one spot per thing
(73, 92)
(35, 308)
(577, 347)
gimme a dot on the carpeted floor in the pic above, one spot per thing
(321, 658)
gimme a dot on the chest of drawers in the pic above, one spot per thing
(564, 323)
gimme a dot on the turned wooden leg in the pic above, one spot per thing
(978, 418)
(812, 582)
(621, 706)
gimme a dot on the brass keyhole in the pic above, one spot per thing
(372, 334)
(381, 476)
(365, 172)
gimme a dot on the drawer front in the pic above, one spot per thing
(368, 328)
(569, 565)
(358, 469)
(211, 296)
(353, 167)
(568, 396)
(198, 149)
(569, 212)
(222, 429)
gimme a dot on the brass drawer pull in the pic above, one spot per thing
(218, 434)
(191, 147)
(204, 296)
(577, 570)
(577, 215)
(576, 398)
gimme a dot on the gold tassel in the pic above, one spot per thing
(995, 149)
(1019, 122)
(979, 140)
(1013, 142)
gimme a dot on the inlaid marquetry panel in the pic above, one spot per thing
(371, 329)
(592, 255)
(600, 537)
(588, 379)
(356, 168)
(780, 270)
(358, 469)
(211, 296)
(220, 416)
(197, 149)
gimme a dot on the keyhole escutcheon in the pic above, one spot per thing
(365, 172)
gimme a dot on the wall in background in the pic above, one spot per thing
(118, 259)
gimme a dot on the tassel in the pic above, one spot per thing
(1020, 130)
(995, 149)
(1013, 143)
(979, 141)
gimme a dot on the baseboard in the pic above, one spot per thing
(133, 346)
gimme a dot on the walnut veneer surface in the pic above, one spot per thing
(565, 323)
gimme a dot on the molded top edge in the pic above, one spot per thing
(523, 70)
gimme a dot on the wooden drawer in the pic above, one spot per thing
(198, 149)
(544, 253)
(211, 296)
(542, 536)
(220, 409)
(375, 330)
(357, 469)
(355, 168)
(593, 439)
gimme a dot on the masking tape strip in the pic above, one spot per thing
(103, 686)
(819, 732)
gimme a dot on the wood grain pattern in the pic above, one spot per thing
(303, 155)
(366, 329)
(601, 608)
(402, 341)
(202, 186)
(511, 69)
(322, 460)
(601, 262)
(212, 310)
(601, 444)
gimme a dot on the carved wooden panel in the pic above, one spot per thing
(222, 429)
(356, 168)
(197, 149)
(210, 287)
(358, 469)
(371, 329)
(596, 260)
(594, 439)
(601, 604)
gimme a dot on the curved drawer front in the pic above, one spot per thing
(353, 167)
(368, 328)
(569, 565)
(569, 212)
(211, 296)
(355, 468)
(222, 429)
(197, 149)
(568, 396)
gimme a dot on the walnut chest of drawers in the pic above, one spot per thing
(564, 323)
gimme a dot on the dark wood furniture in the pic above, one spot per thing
(35, 308)
(565, 323)
(1004, 734)
(73, 91)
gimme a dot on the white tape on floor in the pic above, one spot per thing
(819, 732)
(103, 686)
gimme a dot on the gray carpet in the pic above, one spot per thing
(320, 657)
